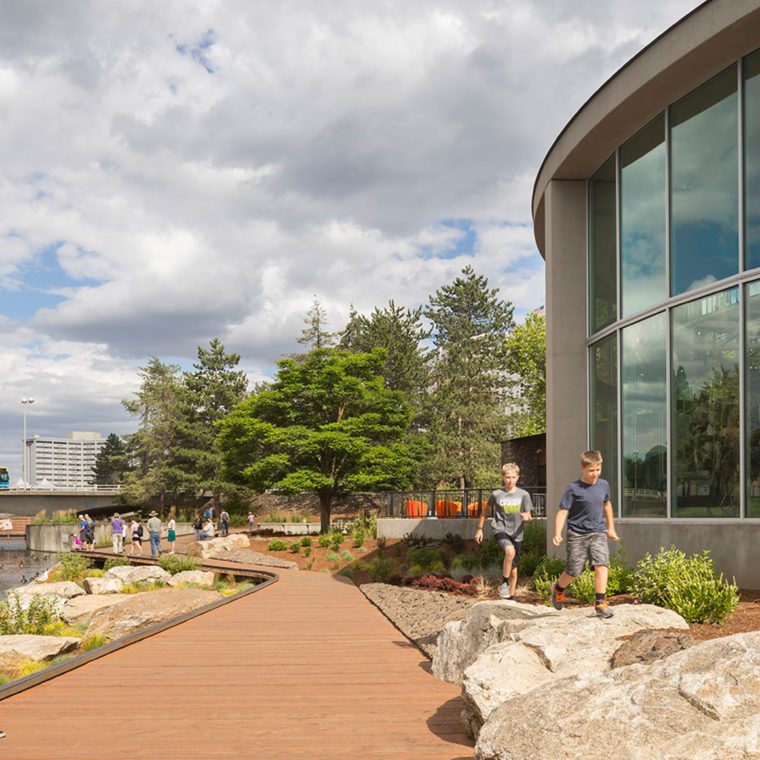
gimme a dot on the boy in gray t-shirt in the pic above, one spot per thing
(510, 509)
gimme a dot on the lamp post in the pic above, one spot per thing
(24, 403)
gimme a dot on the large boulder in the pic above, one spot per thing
(461, 642)
(59, 593)
(129, 574)
(192, 578)
(81, 608)
(144, 610)
(699, 704)
(213, 546)
(503, 649)
(102, 585)
(36, 647)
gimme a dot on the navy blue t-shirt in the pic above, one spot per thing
(585, 505)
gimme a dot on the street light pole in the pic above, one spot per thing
(24, 403)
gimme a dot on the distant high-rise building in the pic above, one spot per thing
(63, 462)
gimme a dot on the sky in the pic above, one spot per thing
(178, 171)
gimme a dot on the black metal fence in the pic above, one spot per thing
(450, 503)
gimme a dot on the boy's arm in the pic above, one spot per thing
(481, 521)
(610, 519)
(527, 508)
(559, 524)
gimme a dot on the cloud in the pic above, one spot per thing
(189, 175)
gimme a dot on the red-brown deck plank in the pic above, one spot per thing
(305, 668)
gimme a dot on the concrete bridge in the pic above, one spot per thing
(30, 501)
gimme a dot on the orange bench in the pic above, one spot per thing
(445, 508)
(415, 508)
(472, 508)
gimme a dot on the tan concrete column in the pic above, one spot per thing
(566, 383)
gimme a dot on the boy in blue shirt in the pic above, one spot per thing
(587, 509)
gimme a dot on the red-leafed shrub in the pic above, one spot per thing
(441, 582)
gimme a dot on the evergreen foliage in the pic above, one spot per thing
(314, 334)
(326, 424)
(526, 361)
(469, 384)
(111, 463)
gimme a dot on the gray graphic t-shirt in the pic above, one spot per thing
(505, 511)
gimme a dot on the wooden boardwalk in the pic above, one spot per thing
(306, 668)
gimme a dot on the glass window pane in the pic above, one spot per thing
(642, 217)
(644, 415)
(704, 182)
(602, 249)
(706, 407)
(753, 399)
(752, 158)
(604, 407)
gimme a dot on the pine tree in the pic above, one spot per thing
(212, 391)
(111, 462)
(400, 332)
(468, 380)
(314, 334)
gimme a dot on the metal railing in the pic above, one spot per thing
(449, 503)
(94, 488)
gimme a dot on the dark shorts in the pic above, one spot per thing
(586, 546)
(504, 540)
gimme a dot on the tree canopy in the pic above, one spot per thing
(526, 361)
(326, 424)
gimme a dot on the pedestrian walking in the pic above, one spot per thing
(117, 533)
(224, 523)
(137, 535)
(171, 535)
(154, 531)
(251, 522)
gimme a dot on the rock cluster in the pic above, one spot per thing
(539, 683)
(213, 546)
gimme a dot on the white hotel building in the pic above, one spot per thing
(63, 462)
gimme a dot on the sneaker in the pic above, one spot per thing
(504, 591)
(2, 734)
(603, 610)
(558, 598)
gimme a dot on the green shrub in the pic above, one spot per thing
(454, 541)
(115, 562)
(92, 642)
(277, 545)
(59, 628)
(72, 567)
(295, 547)
(381, 569)
(534, 537)
(14, 619)
(425, 557)
(490, 553)
(30, 667)
(324, 540)
(465, 562)
(348, 572)
(332, 556)
(177, 563)
(347, 556)
(275, 517)
(336, 539)
(306, 541)
(4, 679)
(307, 551)
(685, 584)
(94, 572)
(529, 561)
(359, 537)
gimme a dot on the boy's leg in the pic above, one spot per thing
(576, 560)
(514, 570)
(505, 542)
(599, 554)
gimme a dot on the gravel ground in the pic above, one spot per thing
(248, 557)
(420, 615)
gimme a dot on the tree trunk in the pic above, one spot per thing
(325, 503)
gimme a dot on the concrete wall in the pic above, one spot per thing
(290, 529)
(732, 545)
(31, 503)
(398, 527)
(55, 538)
(566, 363)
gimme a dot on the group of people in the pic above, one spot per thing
(204, 526)
(585, 508)
(121, 529)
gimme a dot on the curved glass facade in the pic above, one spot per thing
(674, 307)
